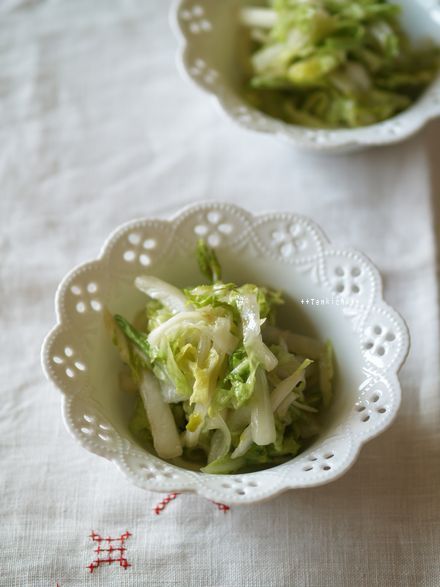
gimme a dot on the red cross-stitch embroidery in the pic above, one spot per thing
(158, 509)
(221, 506)
(163, 504)
(111, 549)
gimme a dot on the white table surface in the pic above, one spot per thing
(96, 128)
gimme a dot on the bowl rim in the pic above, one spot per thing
(390, 131)
(193, 481)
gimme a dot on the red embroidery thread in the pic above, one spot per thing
(163, 504)
(118, 550)
(221, 506)
(159, 508)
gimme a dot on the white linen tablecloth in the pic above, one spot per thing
(96, 128)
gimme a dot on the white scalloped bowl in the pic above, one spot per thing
(282, 250)
(208, 33)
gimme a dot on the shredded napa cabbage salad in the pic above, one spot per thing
(334, 63)
(218, 384)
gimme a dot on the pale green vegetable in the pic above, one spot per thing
(280, 392)
(244, 444)
(195, 425)
(163, 427)
(296, 344)
(221, 439)
(208, 262)
(262, 417)
(224, 465)
(171, 297)
(219, 384)
(334, 63)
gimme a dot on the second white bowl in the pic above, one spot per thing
(208, 55)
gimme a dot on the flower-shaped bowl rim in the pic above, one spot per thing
(104, 440)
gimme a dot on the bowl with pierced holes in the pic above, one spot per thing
(210, 39)
(331, 293)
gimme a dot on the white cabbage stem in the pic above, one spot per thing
(183, 319)
(171, 297)
(282, 390)
(224, 341)
(250, 317)
(262, 420)
(169, 392)
(163, 427)
(258, 17)
(244, 443)
(304, 407)
(221, 439)
(203, 348)
(286, 403)
(296, 343)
